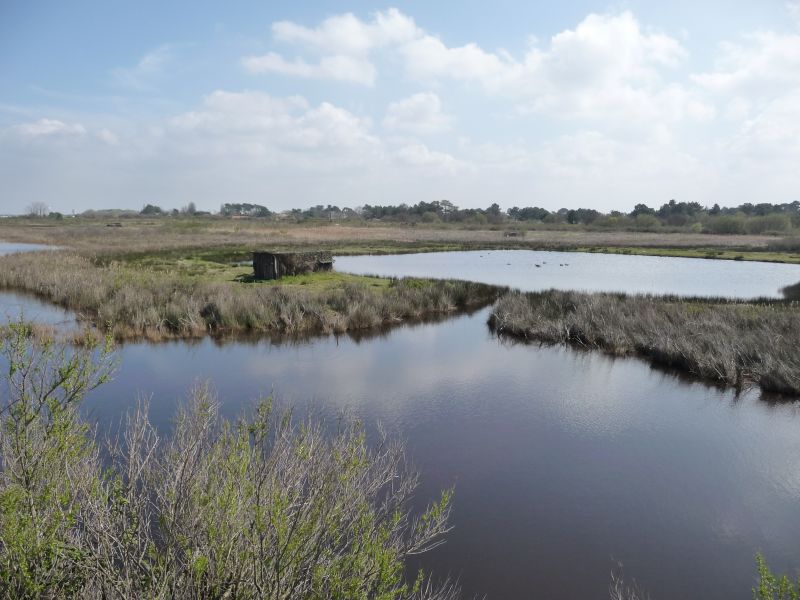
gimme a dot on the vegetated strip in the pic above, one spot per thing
(192, 298)
(737, 343)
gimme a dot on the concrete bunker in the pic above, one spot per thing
(274, 265)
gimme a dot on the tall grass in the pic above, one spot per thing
(264, 507)
(140, 302)
(733, 343)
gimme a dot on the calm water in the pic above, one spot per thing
(586, 271)
(565, 463)
(14, 305)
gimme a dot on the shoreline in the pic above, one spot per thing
(734, 343)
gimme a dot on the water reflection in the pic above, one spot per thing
(16, 305)
(531, 270)
(564, 462)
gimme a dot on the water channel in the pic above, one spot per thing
(565, 463)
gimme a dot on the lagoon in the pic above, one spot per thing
(533, 270)
(566, 464)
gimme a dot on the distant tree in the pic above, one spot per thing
(151, 209)
(189, 209)
(529, 213)
(447, 208)
(37, 209)
(642, 209)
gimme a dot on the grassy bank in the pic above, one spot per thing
(732, 343)
(155, 298)
(204, 235)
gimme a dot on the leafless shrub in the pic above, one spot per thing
(268, 506)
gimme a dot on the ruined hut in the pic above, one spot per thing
(274, 265)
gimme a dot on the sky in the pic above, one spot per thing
(571, 104)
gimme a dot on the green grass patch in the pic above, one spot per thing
(707, 253)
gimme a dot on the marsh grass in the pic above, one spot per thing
(209, 236)
(193, 298)
(736, 343)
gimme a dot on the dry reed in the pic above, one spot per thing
(733, 343)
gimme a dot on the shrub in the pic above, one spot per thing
(268, 506)
(726, 224)
(774, 587)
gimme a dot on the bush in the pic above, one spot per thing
(265, 507)
(774, 587)
(769, 224)
(725, 224)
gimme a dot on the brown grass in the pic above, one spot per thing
(91, 236)
(138, 302)
(733, 343)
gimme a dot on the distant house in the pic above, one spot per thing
(274, 265)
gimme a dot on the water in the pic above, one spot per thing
(586, 271)
(14, 305)
(564, 463)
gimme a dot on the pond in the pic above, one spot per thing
(565, 463)
(531, 270)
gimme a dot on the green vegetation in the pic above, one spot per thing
(774, 587)
(266, 507)
(707, 253)
(226, 239)
(730, 342)
(155, 298)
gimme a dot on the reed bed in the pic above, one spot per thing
(733, 343)
(137, 302)
(140, 234)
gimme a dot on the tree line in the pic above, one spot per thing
(752, 218)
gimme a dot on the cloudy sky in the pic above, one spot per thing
(289, 104)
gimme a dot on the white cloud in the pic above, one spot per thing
(347, 34)
(287, 131)
(338, 67)
(607, 67)
(773, 135)
(344, 42)
(419, 114)
(762, 64)
(419, 155)
(149, 68)
(602, 114)
(49, 127)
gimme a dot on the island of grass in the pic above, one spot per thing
(731, 342)
(154, 297)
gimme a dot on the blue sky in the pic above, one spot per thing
(603, 105)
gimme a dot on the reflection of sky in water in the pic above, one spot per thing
(562, 460)
(586, 271)
(14, 305)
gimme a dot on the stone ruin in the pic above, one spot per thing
(274, 265)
